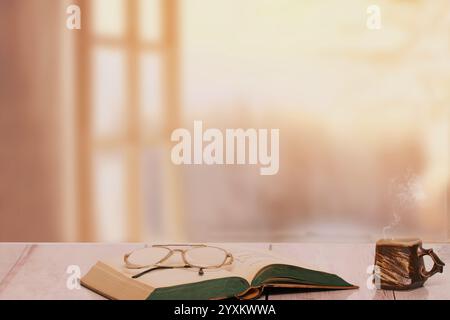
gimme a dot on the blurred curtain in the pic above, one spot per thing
(29, 112)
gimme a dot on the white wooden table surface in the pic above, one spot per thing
(39, 271)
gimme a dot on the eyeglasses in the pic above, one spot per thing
(194, 256)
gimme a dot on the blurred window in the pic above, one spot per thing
(125, 47)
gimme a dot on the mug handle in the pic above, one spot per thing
(438, 263)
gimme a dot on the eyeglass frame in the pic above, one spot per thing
(171, 252)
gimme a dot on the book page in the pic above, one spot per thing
(248, 261)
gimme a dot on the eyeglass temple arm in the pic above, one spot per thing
(178, 245)
(153, 269)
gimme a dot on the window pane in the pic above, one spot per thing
(150, 19)
(108, 17)
(152, 190)
(109, 195)
(108, 92)
(151, 91)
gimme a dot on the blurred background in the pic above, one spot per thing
(86, 117)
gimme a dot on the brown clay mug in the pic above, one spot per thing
(399, 264)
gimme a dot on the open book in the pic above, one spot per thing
(251, 272)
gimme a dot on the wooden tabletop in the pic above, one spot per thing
(41, 271)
